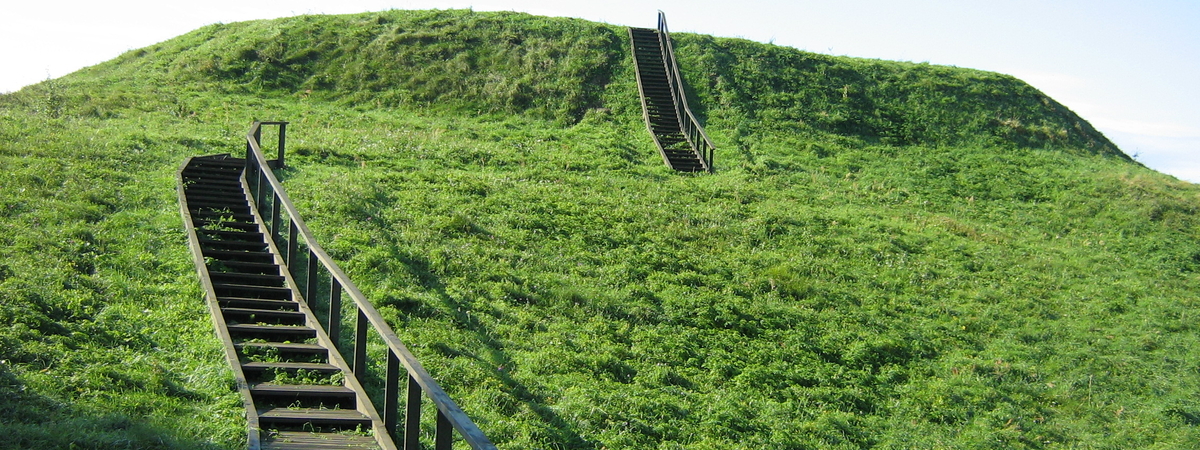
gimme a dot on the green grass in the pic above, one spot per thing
(890, 255)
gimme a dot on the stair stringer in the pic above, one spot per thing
(253, 431)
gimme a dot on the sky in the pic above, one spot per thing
(1131, 68)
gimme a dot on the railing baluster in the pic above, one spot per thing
(249, 162)
(260, 196)
(310, 288)
(291, 248)
(391, 392)
(360, 347)
(275, 215)
(282, 139)
(335, 310)
(443, 433)
(412, 416)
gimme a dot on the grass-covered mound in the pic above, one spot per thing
(890, 255)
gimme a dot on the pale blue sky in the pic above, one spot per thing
(1131, 68)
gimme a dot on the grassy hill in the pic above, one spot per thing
(890, 255)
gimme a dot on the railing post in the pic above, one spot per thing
(360, 347)
(391, 393)
(249, 160)
(335, 310)
(275, 207)
(314, 268)
(258, 182)
(291, 247)
(282, 141)
(412, 416)
(443, 433)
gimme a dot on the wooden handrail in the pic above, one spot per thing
(262, 179)
(692, 130)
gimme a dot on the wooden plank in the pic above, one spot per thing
(272, 329)
(265, 303)
(275, 292)
(284, 347)
(261, 315)
(303, 440)
(258, 278)
(305, 415)
(310, 390)
(315, 367)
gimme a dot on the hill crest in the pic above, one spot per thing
(558, 69)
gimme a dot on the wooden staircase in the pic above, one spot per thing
(264, 275)
(677, 133)
(297, 388)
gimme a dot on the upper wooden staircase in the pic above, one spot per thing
(680, 138)
(276, 303)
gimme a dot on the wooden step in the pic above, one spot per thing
(258, 303)
(301, 390)
(208, 170)
(252, 291)
(289, 366)
(192, 189)
(306, 440)
(233, 204)
(213, 167)
(213, 213)
(300, 416)
(224, 235)
(248, 278)
(278, 333)
(265, 268)
(212, 193)
(232, 245)
(224, 160)
(261, 315)
(211, 172)
(285, 348)
(202, 222)
(235, 255)
(230, 182)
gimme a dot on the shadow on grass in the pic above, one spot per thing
(561, 433)
(31, 420)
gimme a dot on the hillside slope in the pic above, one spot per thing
(890, 255)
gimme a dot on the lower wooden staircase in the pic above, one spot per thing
(295, 384)
(264, 275)
(679, 137)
